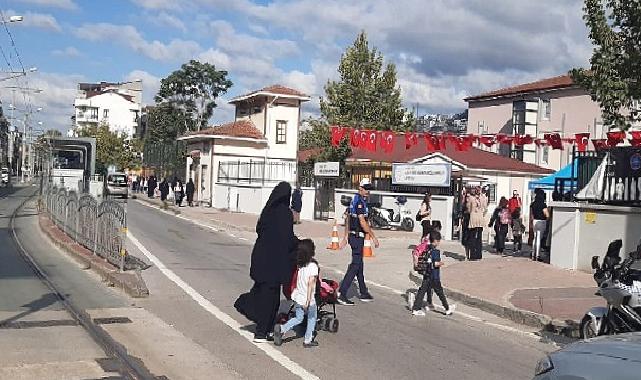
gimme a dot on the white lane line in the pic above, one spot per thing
(461, 313)
(267, 348)
(181, 217)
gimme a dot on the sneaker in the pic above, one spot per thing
(450, 310)
(410, 300)
(430, 308)
(345, 301)
(260, 339)
(366, 297)
(278, 335)
(311, 344)
(419, 313)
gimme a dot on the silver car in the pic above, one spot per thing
(116, 185)
(602, 358)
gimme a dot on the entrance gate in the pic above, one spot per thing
(324, 202)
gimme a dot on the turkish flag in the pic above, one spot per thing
(600, 144)
(636, 138)
(371, 140)
(463, 143)
(387, 141)
(355, 137)
(582, 140)
(411, 139)
(520, 140)
(432, 142)
(554, 139)
(488, 141)
(540, 142)
(338, 134)
(615, 138)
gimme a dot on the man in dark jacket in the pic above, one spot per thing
(189, 190)
(164, 189)
(151, 186)
(273, 257)
(297, 203)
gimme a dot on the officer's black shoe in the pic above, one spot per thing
(366, 297)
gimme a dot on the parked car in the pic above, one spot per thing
(602, 358)
(5, 176)
(116, 185)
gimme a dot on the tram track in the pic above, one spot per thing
(125, 365)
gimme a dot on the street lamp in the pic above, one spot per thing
(15, 18)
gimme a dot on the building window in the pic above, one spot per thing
(281, 132)
(94, 113)
(257, 110)
(105, 113)
(546, 110)
(545, 154)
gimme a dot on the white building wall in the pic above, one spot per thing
(290, 114)
(121, 115)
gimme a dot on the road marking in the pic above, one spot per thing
(267, 348)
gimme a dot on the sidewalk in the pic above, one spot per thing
(516, 288)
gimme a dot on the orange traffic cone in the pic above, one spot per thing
(333, 245)
(367, 247)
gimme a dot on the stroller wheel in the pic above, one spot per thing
(327, 324)
(334, 326)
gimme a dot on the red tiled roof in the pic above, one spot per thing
(304, 155)
(562, 81)
(239, 128)
(273, 89)
(473, 158)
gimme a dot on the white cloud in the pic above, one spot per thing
(64, 4)
(165, 19)
(229, 40)
(129, 36)
(158, 4)
(36, 20)
(150, 84)
(69, 51)
(216, 58)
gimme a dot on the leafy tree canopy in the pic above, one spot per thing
(614, 77)
(113, 148)
(366, 95)
(318, 138)
(194, 89)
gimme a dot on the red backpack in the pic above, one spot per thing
(420, 249)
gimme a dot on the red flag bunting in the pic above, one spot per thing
(411, 139)
(600, 144)
(520, 140)
(355, 137)
(554, 139)
(387, 141)
(338, 134)
(371, 140)
(540, 142)
(582, 140)
(488, 141)
(432, 142)
(463, 143)
(615, 138)
(636, 138)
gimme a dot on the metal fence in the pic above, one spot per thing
(99, 227)
(256, 172)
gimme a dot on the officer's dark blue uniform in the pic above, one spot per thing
(356, 242)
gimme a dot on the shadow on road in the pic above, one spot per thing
(43, 302)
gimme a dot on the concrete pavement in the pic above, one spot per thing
(199, 270)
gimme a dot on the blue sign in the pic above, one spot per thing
(635, 161)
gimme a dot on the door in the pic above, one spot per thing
(324, 202)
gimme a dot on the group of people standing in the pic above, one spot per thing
(150, 184)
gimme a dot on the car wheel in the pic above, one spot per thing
(587, 328)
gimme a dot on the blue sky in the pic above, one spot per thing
(444, 49)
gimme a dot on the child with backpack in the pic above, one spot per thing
(501, 220)
(517, 230)
(303, 295)
(430, 265)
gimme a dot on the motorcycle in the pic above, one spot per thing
(620, 285)
(389, 218)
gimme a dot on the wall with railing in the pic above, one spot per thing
(256, 172)
(100, 227)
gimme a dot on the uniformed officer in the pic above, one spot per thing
(356, 226)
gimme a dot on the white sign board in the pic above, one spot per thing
(435, 175)
(326, 169)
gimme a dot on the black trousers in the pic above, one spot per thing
(267, 302)
(355, 268)
(501, 236)
(427, 227)
(518, 242)
(426, 288)
(475, 243)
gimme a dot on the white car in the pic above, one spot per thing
(613, 357)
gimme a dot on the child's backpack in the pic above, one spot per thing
(420, 249)
(505, 217)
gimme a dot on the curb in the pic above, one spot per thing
(524, 317)
(132, 283)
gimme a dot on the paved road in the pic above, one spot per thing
(376, 341)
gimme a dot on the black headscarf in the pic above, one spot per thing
(273, 254)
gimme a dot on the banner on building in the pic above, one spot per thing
(431, 175)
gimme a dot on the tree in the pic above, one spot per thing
(366, 95)
(161, 150)
(614, 77)
(113, 148)
(194, 89)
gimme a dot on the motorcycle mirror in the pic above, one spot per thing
(595, 262)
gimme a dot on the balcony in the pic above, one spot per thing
(86, 117)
